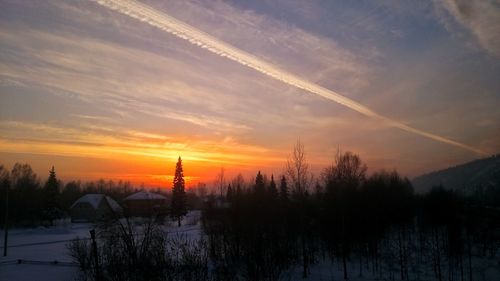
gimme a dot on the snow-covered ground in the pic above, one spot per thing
(49, 244)
(41, 246)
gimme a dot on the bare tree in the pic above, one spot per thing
(342, 180)
(347, 172)
(220, 182)
(202, 190)
(238, 184)
(297, 170)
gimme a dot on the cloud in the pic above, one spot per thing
(481, 17)
(76, 65)
(114, 142)
(199, 38)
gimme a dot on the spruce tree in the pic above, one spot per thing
(51, 193)
(283, 189)
(273, 191)
(179, 208)
(259, 184)
(239, 192)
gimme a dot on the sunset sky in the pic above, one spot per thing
(98, 93)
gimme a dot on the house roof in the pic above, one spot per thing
(146, 195)
(95, 199)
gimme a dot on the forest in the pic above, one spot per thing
(362, 226)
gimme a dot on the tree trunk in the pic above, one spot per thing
(360, 262)
(344, 248)
(438, 258)
(469, 250)
(6, 221)
(304, 257)
(400, 244)
(344, 261)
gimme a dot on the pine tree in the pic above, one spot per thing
(273, 191)
(283, 189)
(51, 192)
(259, 184)
(239, 192)
(179, 208)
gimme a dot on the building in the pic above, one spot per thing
(94, 207)
(145, 204)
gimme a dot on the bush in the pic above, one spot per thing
(142, 251)
(79, 250)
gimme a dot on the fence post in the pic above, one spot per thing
(6, 235)
(96, 258)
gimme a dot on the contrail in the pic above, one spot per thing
(197, 37)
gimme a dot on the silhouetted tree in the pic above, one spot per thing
(51, 195)
(23, 177)
(70, 193)
(342, 181)
(237, 184)
(297, 170)
(273, 191)
(220, 181)
(4, 190)
(283, 189)
(230, 193)
(179, 208)
(259, 184)
(26, 194)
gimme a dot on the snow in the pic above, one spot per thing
(146, 195)
(41, 244)
(114, 205)
(47, 244)
(22, 272)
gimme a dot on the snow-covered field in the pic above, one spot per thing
(39, 247)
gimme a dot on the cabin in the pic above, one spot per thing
(145, 204)
(94, 207)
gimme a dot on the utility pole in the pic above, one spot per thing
(6, 235)
(96, 258)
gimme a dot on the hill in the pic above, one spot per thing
(474, 177)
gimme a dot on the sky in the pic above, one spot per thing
(119, 90)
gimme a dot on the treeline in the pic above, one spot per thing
(365, 226)
(33, 201)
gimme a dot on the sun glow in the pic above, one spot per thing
(139, 157)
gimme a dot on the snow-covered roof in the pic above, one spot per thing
(146, 195)
(95, 199)
(92, 199)
(113, 204)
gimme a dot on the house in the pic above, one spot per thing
(93, 207)
(145, 204)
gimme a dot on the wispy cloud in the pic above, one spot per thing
(83, 81)
(111, 141)
(481, 17)
(205, 41)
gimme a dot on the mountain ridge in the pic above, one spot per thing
(466, 178)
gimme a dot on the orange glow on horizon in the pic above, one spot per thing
(143, 161)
